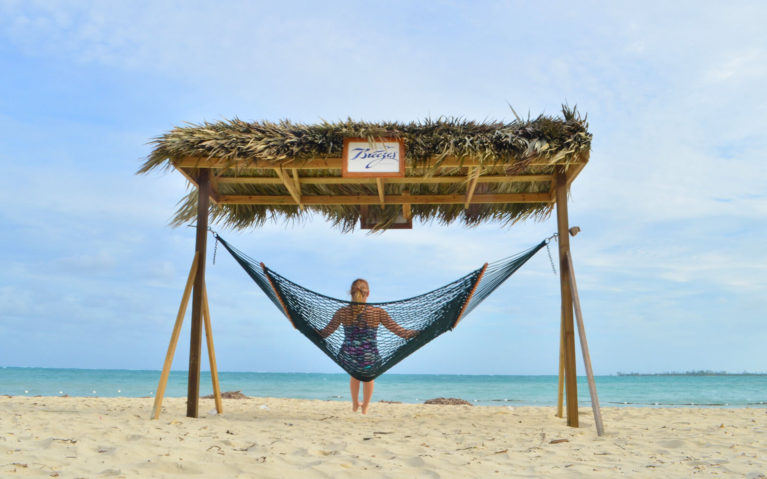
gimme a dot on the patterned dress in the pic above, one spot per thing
(359, 350)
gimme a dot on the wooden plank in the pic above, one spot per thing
(574, 171)
(287, 182)
(336, 180)
(585, 349)
(239, 163)
(211, 351)
(296, 181)
(312, 200)
(406, 210)
(214, 185)
(331, 163)
(563, 238)
(553, 188)
(189, 177)
(473, 177)
(381, 192)
(561, 375)
(195, 341)
(157, 407)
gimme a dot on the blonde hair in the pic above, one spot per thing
(358, 308)
(356, 281)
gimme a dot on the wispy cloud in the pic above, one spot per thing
(672, 204)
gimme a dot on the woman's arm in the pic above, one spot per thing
(332, 325)
(392, 326)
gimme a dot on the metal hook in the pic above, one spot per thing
(547, 240)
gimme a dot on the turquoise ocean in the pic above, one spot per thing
(624, 390)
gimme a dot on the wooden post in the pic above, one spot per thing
(585, 349)
(211, 350)
(571, 385)
(174, 340)
(561, 377)
(195, 343)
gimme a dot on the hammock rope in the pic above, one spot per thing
(367, 352)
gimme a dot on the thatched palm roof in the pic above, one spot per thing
(456, 170)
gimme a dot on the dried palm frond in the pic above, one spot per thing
(532, 146)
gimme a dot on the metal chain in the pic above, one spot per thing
(548, 250)
(215, 245)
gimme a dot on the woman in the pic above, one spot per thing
(360, 349)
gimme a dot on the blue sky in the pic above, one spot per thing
(670, 263)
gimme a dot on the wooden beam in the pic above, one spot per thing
(563, 237)
(297, 181)
(553, 189)
(296, 195)
(473, 177)
(381, 192)
(406, 211)
(240, 163)
(314, 200)
(214, 186)
(211, 351)
(561, 374)
(157, 407)
(574, 171)
(195, 341)
(189, 177)
(585, 349)
(331, 163)
(337, 180)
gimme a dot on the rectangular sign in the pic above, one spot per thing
(363, 158)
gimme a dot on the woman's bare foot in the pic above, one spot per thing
(365, 408)
(355, 406)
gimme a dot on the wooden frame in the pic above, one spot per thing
(585, 349)
(160, 395)
(549, 181)
(332, 163)
(293, 175)
(347, 158)
(329, 200)
(563, 236)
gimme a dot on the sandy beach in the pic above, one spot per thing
(266, 437)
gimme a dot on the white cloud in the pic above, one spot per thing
(672, 204)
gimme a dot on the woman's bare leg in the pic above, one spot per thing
(367, 394)
(354, 388)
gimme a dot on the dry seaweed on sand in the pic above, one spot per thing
(448, 402)
(229, 395)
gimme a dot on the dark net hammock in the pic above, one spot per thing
(366, 353)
